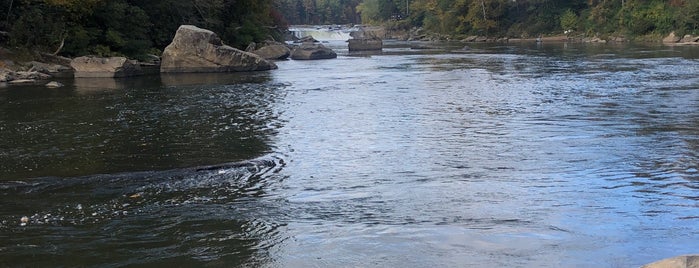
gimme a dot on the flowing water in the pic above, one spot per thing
(496, 156)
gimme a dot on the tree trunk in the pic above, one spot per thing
(9, 11)
(63, 42)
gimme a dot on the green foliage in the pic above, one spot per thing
(531, 18)
(370, 11)
(39, 28)
(132, 28)
(135, 28)
(331, 11)
(569, 21)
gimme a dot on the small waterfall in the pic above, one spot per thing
(322, 32)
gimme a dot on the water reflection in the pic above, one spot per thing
(112, 125)
(87, 85)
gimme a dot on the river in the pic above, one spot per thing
(499, 155)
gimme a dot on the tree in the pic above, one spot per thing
(569, 21)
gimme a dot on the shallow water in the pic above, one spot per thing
(501, 156)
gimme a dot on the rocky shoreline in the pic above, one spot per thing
(199, 50)
(193, 50)
(419, 34)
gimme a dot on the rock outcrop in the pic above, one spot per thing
(55, 70)
(311, 51)
(105, 67)
(271, 50)
(365, 41)
(21, 77)
(673, 39)
(306, 39)
(199, 50)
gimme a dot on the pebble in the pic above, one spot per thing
(24, 221)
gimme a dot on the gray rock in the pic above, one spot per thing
(307, 39)
(273, 51)
(422, 46)
(686, 261)
(199, 50)
(54, 84)
(31, 75)
(688, 39)
(671, 38)
(104, 67)
(367, 39)
(47, 68)
(21, 81)
(6, 75)
(365, 44)
(311, 51)
(251, 47)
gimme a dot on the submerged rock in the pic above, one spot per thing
(199, 50)
(22, 81)
(54, 84)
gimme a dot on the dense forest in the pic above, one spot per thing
(137, 28)
(130, 27)
(508, 18)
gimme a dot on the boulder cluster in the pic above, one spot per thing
(674, 39)
(32, 72)
(192, 50)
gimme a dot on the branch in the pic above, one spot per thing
(63, 42)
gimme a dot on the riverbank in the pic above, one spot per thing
(421, 34)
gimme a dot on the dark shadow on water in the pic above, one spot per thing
(189, 79)
(107, 125)
(181, 217)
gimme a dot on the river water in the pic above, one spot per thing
(518, 155)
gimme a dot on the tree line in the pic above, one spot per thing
(130, 27)
(507, 18)
(136, 28)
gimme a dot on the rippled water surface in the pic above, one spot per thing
(496, 156)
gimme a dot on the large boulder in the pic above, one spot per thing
(364, 40)
(88, 66)
(671, 38)
(199, 50)
(689, 39)
(273, 51)
(311, 51)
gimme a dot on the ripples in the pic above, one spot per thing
(139, 129)
(514, 156)
(522, 153)
(164, 217)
